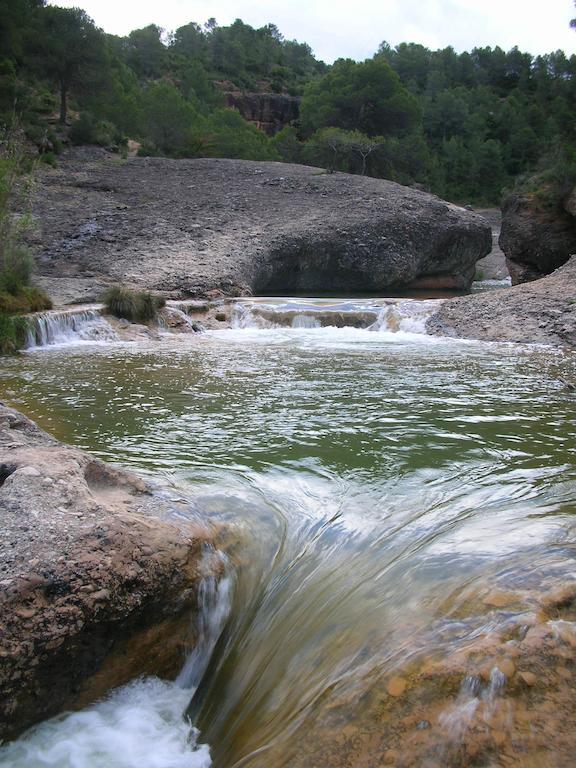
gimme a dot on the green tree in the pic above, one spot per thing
(288, 145)
(169, 119)
(69, 49)
(367, 97)
(226, 134)
(145, 52)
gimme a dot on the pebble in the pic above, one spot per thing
(396, 686)
(529, 678)
(507, 667)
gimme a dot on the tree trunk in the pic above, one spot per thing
(63, 103)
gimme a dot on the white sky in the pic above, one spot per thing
(335, 28)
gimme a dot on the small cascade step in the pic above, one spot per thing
(387, 315)
(68, 327)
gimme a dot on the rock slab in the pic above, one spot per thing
(541, 311)
(98, 577)
(203, 226)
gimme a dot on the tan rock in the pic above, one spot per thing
(396, 686)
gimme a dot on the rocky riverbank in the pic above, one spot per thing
(211, 226)
(542, 311)
(99, 576)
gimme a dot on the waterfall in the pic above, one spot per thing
(67, 327)
(140, 725)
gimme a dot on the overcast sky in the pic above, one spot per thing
(335, 28)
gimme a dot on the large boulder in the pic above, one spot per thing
(192, 227)
(99, 576)
(536, 238)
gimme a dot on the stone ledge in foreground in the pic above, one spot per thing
(98, 580)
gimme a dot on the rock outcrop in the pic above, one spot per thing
(195, 227)
(269, 112)
(537, 239)
(98, 576)
(542, 311)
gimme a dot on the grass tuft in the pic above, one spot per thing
(136, 306)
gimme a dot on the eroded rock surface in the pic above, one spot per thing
(98, 576)
(196, 227)
(540, 311)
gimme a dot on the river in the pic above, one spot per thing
(398, 509)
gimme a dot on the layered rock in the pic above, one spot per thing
(539, 311)
(98, 576)
(269, 112)
(537, 239)
(193, 227)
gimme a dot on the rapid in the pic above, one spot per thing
(397, 510)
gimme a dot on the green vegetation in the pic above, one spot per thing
(464, 125)
(136, 306)
(17, 294)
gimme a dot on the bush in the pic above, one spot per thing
(49, 158)
(25, 299)
(88, 130)
(136, 306)
(12, 333)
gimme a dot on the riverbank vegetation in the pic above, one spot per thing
(463, 125)
(136, 306)
(17, 293)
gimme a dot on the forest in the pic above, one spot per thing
(467, 126)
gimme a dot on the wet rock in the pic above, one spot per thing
(529, 678)
(507, 667)
(396, 686)
(99, 561)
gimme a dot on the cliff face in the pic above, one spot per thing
(190, 227)
(537, 239)
(268, 111)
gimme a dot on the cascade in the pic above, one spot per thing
(389, 315)
(67, 327)
(140, 725)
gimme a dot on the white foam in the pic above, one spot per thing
(138, 726)
(141, 725)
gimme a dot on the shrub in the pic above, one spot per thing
(88, 130)
(12, 333)
(49, 158)
(25, 299)
(136, 306)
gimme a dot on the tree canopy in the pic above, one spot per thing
(464, 125)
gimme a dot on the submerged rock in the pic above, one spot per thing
(235, 227)
(99, 576)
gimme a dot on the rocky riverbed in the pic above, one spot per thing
(99, 576)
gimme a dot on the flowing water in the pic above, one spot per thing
(396, 505)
